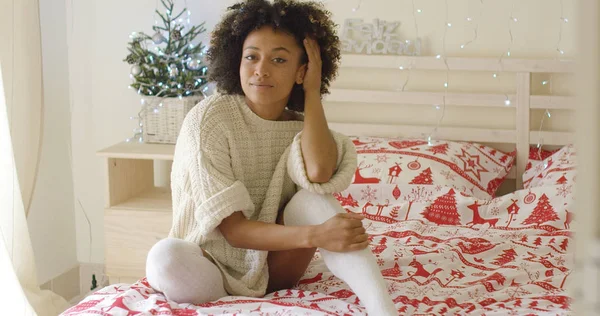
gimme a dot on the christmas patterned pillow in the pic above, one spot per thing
(556, 168)
(469, 168)
(546, 207)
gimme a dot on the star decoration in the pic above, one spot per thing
(471, 164)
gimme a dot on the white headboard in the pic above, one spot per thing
(521, 136)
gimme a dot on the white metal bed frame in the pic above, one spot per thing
(521, 136)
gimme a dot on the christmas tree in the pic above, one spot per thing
(507, 256)
(394, 212)
(443, 210)
(168, 66)
(439, 149)
(423, 178)
(564, 244)
(543, 212)
(562, 180)
(538, 241)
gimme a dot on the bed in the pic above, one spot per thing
(445, 243)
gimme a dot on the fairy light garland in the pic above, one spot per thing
(411, 64)
(558, 53)
(444, 57)
(476, 28)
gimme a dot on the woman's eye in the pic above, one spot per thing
(279, 60)
(250, 57)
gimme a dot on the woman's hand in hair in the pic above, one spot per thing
(312, 77)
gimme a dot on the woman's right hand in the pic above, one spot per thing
(342, 233)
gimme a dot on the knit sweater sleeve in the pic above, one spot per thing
(345, 167)
(205, 190)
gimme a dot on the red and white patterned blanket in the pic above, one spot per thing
(506, 256)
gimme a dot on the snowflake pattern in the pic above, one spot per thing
(448, 175)
(382, 158)
(560, 260)
(516, 292)
(380, 262)
(418, 291)
(369, 194)
(495, 211)
(564, 190)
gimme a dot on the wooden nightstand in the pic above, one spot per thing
(137, 214)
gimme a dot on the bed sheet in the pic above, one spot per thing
(507, 256)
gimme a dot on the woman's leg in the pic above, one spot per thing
(357, 268)
(287, 267)
(179, 269)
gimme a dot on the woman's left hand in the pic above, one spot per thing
(312, 77)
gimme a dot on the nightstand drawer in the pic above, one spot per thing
(129, 235)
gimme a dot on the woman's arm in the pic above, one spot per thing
(318, 146)
(341, 233)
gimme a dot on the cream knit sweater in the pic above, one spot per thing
(229, 159)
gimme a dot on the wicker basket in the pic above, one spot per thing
(163, 124)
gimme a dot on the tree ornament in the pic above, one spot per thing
(158, 38)
(173, 71)
(396, 192)
(189, 85)
(136, 70)
(176, 35)
(414, 165)
(193, 64)
(529, 198)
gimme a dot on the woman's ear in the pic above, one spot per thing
(300, 73)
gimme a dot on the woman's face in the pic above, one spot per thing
(270, 66)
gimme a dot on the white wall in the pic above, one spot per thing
(102, 104)
(51, 218)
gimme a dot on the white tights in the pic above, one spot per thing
(179, 270)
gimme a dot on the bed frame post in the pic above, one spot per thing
(523, 111)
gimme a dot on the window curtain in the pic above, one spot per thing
(21, 111)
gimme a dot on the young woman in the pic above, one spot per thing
(252, 176)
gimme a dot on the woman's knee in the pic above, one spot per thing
(163, 259)
(179, 269)
(308, 208)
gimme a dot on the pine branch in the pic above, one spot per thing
(180, 13)
(162, 18)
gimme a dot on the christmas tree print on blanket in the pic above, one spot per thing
(423, 178)
(507, 256)
(562, 179)
(543, 212)
(439, 149)
(443, 210)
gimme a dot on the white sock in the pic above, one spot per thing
(358, 268)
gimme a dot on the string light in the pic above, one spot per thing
(511, 20)
(476, 28)
(447, 25)
(550, 81)
(416, 25)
